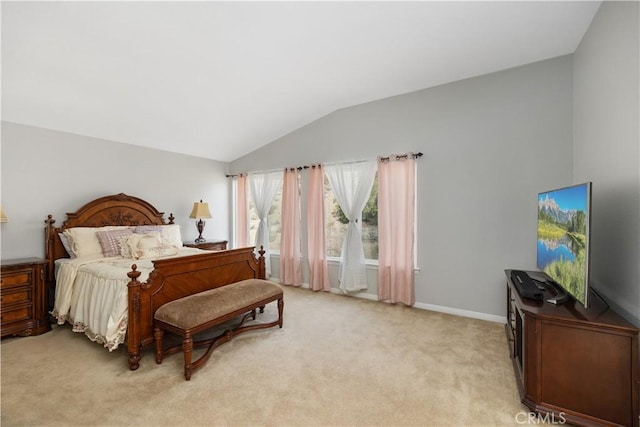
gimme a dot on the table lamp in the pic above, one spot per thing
(200, 210)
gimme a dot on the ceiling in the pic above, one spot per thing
(219, 79)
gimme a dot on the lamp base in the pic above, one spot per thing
(200, 227)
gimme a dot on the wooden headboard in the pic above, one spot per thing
(118, 209)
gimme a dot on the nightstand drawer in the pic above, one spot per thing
(14, 296)
(17, 278)
(17, 315)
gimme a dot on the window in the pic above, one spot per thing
(274, 222)
(336, 226)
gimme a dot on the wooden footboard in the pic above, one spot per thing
(178, 277)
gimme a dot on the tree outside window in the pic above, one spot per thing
(336, 227)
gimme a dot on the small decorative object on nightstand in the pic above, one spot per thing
(200, 210)
(23, 297)
(213, 245)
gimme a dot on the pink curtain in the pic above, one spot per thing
(318, 271)
(290, 255)
(396, 217)
(242, 212)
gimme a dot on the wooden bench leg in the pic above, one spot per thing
(187, 348)
(157, 335)
(280, 309)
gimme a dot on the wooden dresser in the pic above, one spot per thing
(575, 364)
(209, 245)
(23, 297)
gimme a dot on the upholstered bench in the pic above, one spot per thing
(195, 313)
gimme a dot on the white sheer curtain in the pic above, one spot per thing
(351, 184)
(264, 187)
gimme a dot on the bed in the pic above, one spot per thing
(118, 307)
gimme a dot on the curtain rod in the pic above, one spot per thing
(402, 156)
(299, 168)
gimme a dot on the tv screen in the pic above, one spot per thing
(563, 238)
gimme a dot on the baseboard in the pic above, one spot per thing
(461, 312)
(421, 305)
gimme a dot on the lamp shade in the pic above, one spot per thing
(3, 217)
(200, 210)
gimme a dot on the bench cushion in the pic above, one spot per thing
(197, 309)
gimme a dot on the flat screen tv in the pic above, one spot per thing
(563, 239)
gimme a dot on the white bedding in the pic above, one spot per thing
(92, 294)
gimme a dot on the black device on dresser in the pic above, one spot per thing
(525, 286)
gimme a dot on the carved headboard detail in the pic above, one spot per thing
(119, 209)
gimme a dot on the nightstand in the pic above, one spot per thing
(23, 297)
(209, 245)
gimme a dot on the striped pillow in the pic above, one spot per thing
(111, 241)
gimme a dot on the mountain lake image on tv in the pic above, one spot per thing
(563, 238)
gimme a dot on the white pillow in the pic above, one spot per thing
(67, 243)
(171, 235)
(84, 240)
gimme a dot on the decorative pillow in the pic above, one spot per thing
(136, 243)
(157, 251)
(125, 249)
(144, 229)
(65, 238)
(111, 240)
(170, 233)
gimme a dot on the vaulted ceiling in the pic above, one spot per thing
(220, 79)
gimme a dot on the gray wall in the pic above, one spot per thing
(607, 149)
(49, 172)
(490, 144)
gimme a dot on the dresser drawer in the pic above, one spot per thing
(15, 296)
(22, 313)
(15, 278)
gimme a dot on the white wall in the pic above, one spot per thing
(49, 172)
(607, 149)
(490, 144)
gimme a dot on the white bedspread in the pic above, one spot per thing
(92, 295)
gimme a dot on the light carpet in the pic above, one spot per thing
(338, 361)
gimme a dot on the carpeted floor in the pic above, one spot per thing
(338, 361)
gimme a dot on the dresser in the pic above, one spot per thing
(573, 364)
(210, 245)
(23, 297)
